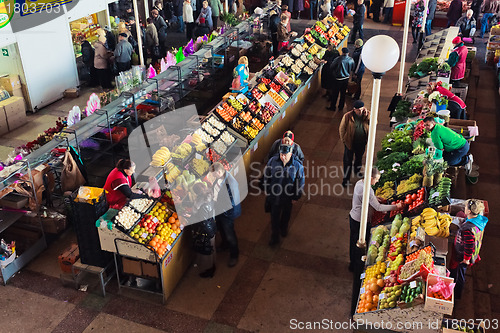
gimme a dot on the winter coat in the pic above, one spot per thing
(201, 30)
(87, 54)
(178, 7)
(283, 33)
(206, 13)
(347, 128)
(216, 7)
(388, 3)
(296, 151)
(455, 11)
(432, 9)
(101, 56)
(327, 78)
(359, 67)
(151, 36)
(187, 13)
(457, 61)
(467, 27)
(283, 183)
(161, 28)
(110, 40)
(342, 67)
(274, 22)
(123, 52)
(359, 16)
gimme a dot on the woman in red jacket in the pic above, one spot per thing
(118, 184)
(455, 104)
(456, 60)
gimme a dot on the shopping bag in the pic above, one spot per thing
(352, 87)
(71, 177)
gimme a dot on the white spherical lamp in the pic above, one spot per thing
(380, 53)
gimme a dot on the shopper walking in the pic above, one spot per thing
(288, 139)
(283, 34)
(123, 53)
(490, 8)
(204, 229)
(178, 13)
(341, 70)
(457, 60)
(152, 42)
(359, 67)
(418, 21)
(467, 24)
(217, 10)
(338, 12)
(274, 22)
(187, 15)
(357, 21)
(206, 13)
(353, 132)
(313, 7)
(331, 54)
(227, 199)
(454, 12)
(453, 145)
(283, 184)
(468, 243)
(101, 63)
(299, 7)
(430, 16)
(388, 9)
(161, 28)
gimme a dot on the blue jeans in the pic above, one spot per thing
(226, 227)
(484, 23)
(313, 5)
(388, 14)
(428, 26)
(356, 28)
(457, 157)
(181, 23)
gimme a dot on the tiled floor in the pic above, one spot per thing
(305, 278)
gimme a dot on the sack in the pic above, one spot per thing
(307, 4)
(202, 243)
(352, 87)
(71, 177)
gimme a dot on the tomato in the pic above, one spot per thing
(408, 201)
(414, 196)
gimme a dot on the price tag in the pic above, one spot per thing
(155, 219)
(309, 85)
(436, 194)
(413, 284)
(173, 235)
(381, 296)
(283, 115)
(169, 247)
(362, 290)
(394, 238)
(362, 276)
(144, 235)
(296, 99)
(256, 146)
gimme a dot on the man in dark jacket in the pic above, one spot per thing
(110, 39)
(430, 16)
(341, 70)
(359, 67)
(161, 28)
(123, 53)
(227, 207)
(283, 184)
(358, 20)
(467, 24)
(375, 9)
(88, 61)
(274, 22)
(476, 7)
(288, 138)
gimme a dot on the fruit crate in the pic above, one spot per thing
(416, 210)
(431, 246)
(181, 163)
(418, 298)
(379, 218)
(422, 272)
(443, 203)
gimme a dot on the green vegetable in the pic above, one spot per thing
(387, 162)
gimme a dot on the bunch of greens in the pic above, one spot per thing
(434, 167)
(387, 176)
(425, 67)
(229, 19)
(403, 110)
(388, 161)
(413, 166)
(396, 141)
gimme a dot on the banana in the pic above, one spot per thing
(433, 231)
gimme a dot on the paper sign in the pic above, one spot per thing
(394, 238)
(362, 290)
(144, 235)
(381, 296)
(169, 247)
(283, 114)
(413, 284)
(362, 276)
(436, 194)
(155, 220)
(173, 235)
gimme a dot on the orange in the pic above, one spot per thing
(171, 220)
(174, 215)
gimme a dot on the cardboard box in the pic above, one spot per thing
(69, 257)
(131, 266)
(10, 82)
(26, 96)
(18, 92)
(150, 269)
(4, 128)
(15, 111)
(16, 122)
(71, 93)
(13, 200)
(438, 305)
(440, 243)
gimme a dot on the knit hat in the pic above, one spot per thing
(289, 134)
(202, 20)
(358, 104)
(457, 40)
(358, 42)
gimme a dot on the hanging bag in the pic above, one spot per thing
(71, 177)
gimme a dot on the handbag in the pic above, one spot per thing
(352, 87)
(202, 243)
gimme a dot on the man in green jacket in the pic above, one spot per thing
(454, 145)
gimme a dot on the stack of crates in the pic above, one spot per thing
(493, 46)
(85, 214)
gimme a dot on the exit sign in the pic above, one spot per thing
(5, 52)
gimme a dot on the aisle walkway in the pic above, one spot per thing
(305, 278)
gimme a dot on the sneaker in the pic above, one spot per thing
(468, 165)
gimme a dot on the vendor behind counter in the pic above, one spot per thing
(118, 185)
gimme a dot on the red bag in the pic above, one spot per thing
(307, 4)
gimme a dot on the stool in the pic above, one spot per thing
(100, 271)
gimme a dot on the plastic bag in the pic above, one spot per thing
(74, 116)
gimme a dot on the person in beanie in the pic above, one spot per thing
(283, 184)
(226, 194)
(202, 28)
(468, 242)
(288, 138)
(456, 60)
(359, 67)
(353, 131)
(341, 70)
(123, 53)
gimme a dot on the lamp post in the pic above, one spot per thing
(380, 54)
(138, 29)
(406, 26)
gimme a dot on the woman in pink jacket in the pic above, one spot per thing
(457, 59)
